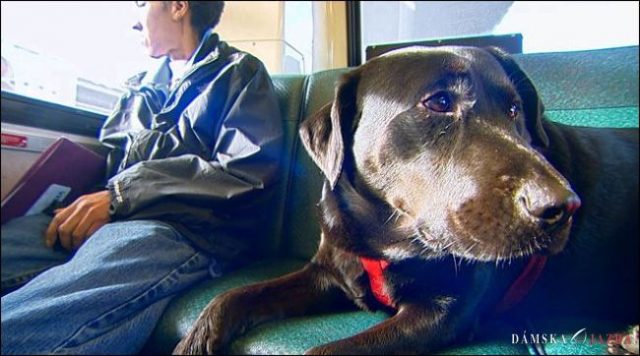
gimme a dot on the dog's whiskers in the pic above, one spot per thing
(447, 246)
(424, 248)
(455, 265)
(468, 250)
(393, 213)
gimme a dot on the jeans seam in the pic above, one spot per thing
(143, 294)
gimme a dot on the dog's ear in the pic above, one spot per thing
(328, 132)
(532, 105)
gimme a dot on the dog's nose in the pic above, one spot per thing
(550, 207)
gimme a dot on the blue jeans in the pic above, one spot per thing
(106, 298)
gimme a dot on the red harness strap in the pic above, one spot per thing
(374, 269)
(518, 290)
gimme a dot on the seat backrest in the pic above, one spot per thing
(301, 230)
(293, 229)
(289, 90)
(596, 88)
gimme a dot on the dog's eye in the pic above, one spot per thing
(439, 102)
(514, 110)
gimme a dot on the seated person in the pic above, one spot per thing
(194, 151)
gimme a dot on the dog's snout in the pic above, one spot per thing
(550, 207)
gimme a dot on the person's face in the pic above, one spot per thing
(158, 26)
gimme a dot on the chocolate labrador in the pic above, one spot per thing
(444, 182)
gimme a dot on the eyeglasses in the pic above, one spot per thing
(141, 3)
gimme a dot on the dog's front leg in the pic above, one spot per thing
(414, 329)
(233, 312)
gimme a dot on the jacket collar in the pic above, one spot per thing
(207, 49)
(208, 45)
(159, 78)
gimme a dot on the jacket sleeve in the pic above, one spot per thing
(224, 145)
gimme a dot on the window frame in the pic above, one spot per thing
(354, 34)
(22, 110)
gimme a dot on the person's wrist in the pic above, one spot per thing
(116, 203)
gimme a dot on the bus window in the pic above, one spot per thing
(544, 26)
(79, 54)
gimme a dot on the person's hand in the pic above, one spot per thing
(74, 224)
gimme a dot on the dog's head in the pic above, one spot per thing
(448, 138)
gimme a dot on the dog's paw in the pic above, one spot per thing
(626, 344)
(199, 341)
(206, 336)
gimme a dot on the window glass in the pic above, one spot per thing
(72, 53)
(80, 54)
(298, 34)
(545, 26)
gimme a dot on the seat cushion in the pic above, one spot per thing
(499, 337)
(295, 335)
(184, 309)
(291, 336)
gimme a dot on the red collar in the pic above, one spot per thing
(523, 284)
(518, 290)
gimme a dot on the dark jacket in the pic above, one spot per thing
(201, 156)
